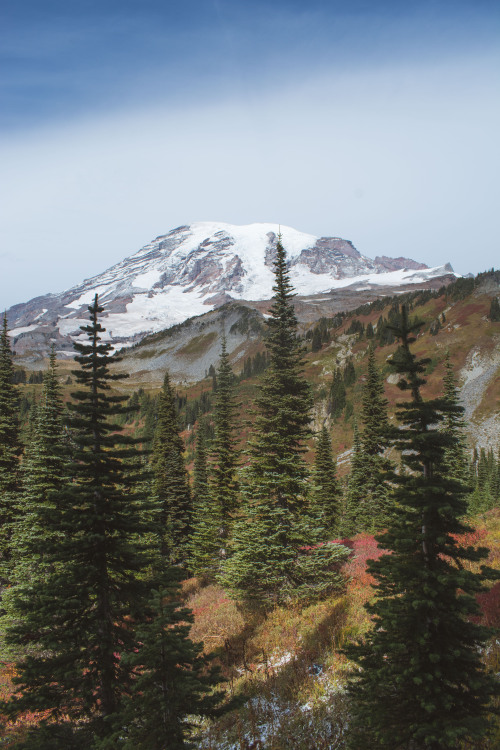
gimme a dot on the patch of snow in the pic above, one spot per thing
(277, 662)
(147, 280)
(87, 297)
(68, 326)
(23, 329)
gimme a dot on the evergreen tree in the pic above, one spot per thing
(316, 343)
(326, 493)
(75, 628)
(455, 457)
(375, 423)
(354, 494)
(484, 481)
(494, 314)
(349, 373)
(205, 543)
(422, 684)
(174, 681)
(368, 502)
(44, 468)
(337, 394)
(224, 453)
(200, 468)
(269, 563)
(9, 447)
(171, 493)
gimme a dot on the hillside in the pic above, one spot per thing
(287, 662)
(456, 320)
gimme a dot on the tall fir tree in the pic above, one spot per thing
(205, 542)
(10, 448)
(269, 563)
(171, 491)
(224, 453)
(422, 685)
(326, 495)
(337, 393)
(44, 468)
(75, 630)
(173, 681)
(368, 499)
(354, 492)
(494, 313)
(456, 455)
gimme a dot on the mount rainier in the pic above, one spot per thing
(193, 269)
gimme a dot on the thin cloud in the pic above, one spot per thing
(397, 161)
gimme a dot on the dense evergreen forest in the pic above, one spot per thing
(104, 530)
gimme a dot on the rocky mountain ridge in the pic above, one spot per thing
(197, 268)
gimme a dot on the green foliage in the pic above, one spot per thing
(494, 314)
(36, 377)
(316, 340)
(435, 327)
(367, 502)
(224, 454)
(173, 680)
(349, 373)
(357, 327)
(170, 487)
(74, 628)
(423, 648)
(43, 470)
(249, 322)
(337, 393)
(205, 543)
(484, 479)
(269, 562)
(254, 365)
(9, 447)
(325, 499)
(217, 499)
(455, 456)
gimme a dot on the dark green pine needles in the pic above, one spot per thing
(216, 500)
(205, 543)
(174, 682)
(325, 501)
(368, 501)
(44, 470)
(422, 685)
(224, 453)
(9, 448)
(171, 492)
(269, 561)
(75, 628)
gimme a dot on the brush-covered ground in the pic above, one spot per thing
(286, 666)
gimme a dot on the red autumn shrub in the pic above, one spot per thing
(489, 602)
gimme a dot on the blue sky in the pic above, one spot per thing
(374, 121)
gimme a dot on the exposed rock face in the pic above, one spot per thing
(396, 264)
(193, 269)
(336, 257)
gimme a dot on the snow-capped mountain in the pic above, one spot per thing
(195, 268)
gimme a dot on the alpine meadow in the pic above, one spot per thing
(299, 548)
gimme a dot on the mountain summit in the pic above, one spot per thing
(195, 268)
